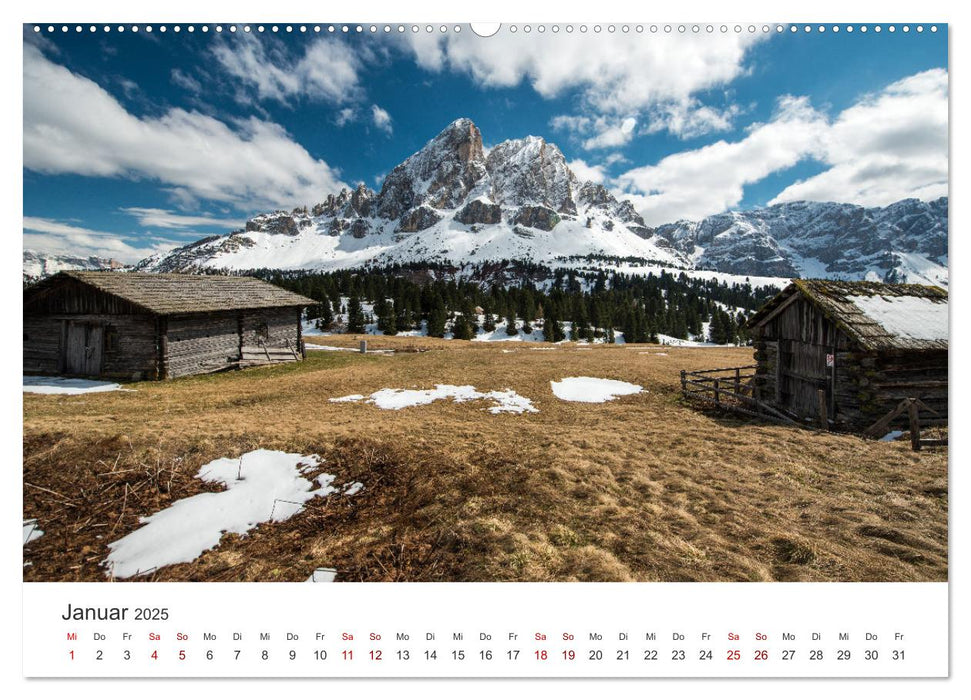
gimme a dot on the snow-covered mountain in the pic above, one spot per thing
(903, 242)
(449, 202)
(38, 265)
(455, 202)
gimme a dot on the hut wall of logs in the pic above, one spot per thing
(135, 326)
(847, 353)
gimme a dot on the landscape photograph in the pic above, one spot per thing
(404, 303)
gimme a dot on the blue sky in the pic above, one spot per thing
(135, 142)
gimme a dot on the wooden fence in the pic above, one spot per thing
(732, 389)
(912, 408)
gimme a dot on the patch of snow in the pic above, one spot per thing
(322, 575)
(31, 531)
(66, 385)
(507, 401)
(352, 488)
(329, 348)
(261, 486)
(347, 399)
(592, 389)
(891, 436)
(682, 343)
(916, 318)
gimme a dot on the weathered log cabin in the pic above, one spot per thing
(137, 326)
(860, 347)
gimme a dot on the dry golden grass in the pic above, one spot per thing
(645, 487)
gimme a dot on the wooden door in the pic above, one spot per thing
(803, 373)
(83, 348)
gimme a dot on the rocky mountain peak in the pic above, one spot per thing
(531, 171)
(440, 175)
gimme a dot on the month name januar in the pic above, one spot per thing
(75, 613)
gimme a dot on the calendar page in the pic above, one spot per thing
(441, 349)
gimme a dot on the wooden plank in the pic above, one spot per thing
(823, 419)
(914, 419)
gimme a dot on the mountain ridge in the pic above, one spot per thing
(453, 202)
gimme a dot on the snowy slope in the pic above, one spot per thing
(38, 265)
(903, 242)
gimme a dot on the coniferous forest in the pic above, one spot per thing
(472, 299)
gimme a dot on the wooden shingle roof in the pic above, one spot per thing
(874, 315)
(166, 294)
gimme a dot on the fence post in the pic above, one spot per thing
(738, 380)
(717, 395)
(823, 418)
(914, 425)
(363, 346)
(684, 383)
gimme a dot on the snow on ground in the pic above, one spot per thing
(350, 398)
(65, 385)
(261, 486)
(323, 575)
(507, 401)
(681, 342)
(917, 318)
(592, 389)
(892, 435)
(329, 348)
(31, 531)
(499, 335)
(919, 270)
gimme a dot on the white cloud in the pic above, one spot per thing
(885, 148)
(618, 76)
(596, 132)
(62, 238)
(164, 218)
(72, 125)
(694, 184)
(381, 119)
(613, 158)
(689, 118)
(617, 73)
(328, 70)
(344, 116)
(186, 81)
(585, 171)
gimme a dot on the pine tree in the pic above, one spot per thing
(436, 320)
(461, 329)
(552, 328)
(324, 317)
(355, 316)
(511, 324)
(390, 321)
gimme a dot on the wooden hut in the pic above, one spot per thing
(851, 351)
(137, 326)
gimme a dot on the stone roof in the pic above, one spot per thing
(166, 294)
(874, 315)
